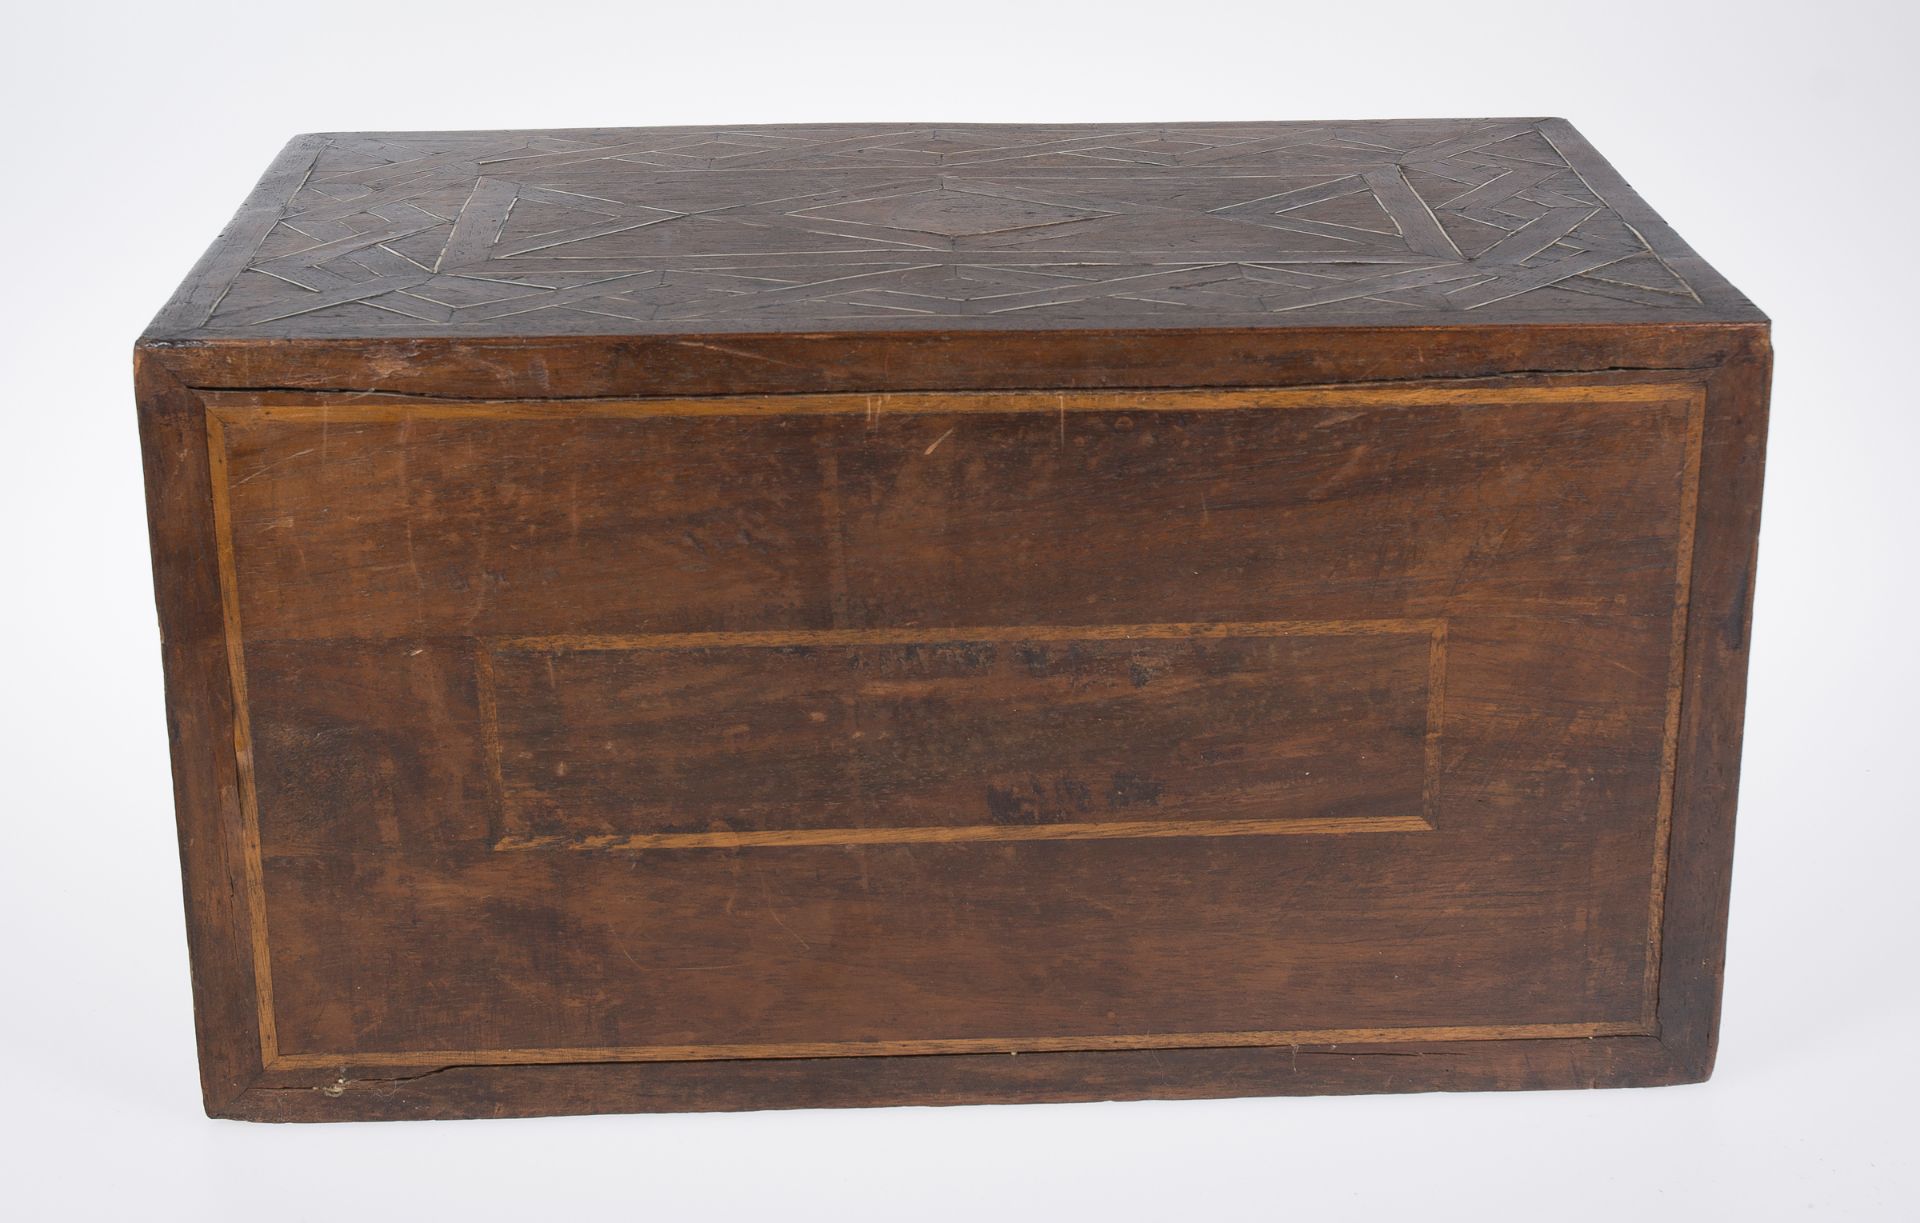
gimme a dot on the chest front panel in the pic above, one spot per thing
(816, 725)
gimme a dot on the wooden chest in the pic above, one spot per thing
(731, 618)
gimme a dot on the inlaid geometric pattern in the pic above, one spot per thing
(775, 227)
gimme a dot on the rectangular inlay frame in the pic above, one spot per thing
(1434, 631)
(303, 408)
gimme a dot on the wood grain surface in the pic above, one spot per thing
(785, 707)
(857, 227)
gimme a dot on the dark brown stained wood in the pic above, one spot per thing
(721, 618)
(1441, 519)
(859, 737)
(217, 848)
(862, 227)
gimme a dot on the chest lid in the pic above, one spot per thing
(863, 228)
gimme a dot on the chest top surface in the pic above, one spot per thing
(875, 227)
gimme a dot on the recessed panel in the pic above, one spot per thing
(869, 737)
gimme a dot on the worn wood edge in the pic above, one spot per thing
(200, 726)
(1663, 241)
(208, 281)
(473, 1092)
(1713, 703)
(599, 367)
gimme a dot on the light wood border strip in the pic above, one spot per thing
(1687, 527)
(986, 1044)
(325, 408)
(255, 883)
(293, 407)
(1426, 627)
(958, 834)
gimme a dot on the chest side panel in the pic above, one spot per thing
(856, 724)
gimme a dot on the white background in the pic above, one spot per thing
(1776, 137)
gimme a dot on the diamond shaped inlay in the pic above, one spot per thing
(952, 214)
(492, 233)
